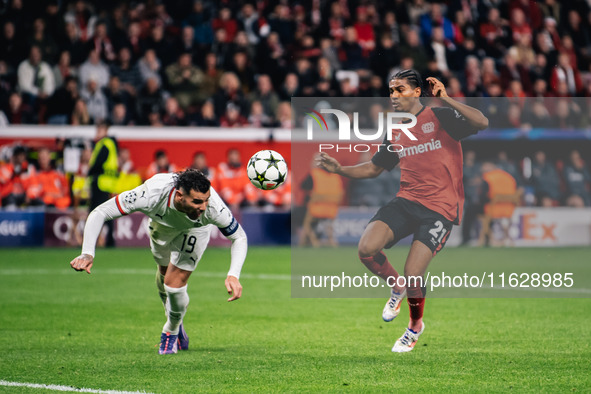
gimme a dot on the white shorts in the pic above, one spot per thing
(182, 248)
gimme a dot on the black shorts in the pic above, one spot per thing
(405, 217)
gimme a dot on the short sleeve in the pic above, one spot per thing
(133, 200)
(454, 123)
(385, 158)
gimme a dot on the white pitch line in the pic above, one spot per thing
(56, 387)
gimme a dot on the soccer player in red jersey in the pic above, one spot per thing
(431, 193)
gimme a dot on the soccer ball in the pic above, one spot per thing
(266, 169)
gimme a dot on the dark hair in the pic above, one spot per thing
(192, 179)
(159, 153)
(413, 78)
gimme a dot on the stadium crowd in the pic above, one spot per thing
(37, 178)
(234, 64)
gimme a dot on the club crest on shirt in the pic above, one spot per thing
(428, 127)
(397, 137)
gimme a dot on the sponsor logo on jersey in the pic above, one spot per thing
(428, 127)
(420, 148)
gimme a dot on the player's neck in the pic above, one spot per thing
(418, 107)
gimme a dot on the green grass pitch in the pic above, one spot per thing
(100, 331)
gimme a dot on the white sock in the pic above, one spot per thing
(178, 300)
(161, 290)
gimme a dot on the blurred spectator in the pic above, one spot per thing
(326, 192)
(73, 44)
(165, 52)
(80, 116)
(545, 181)
(232, 117)
(436, 18)
(234, 186)
(564, 72)
(512, 71)
(93, 68)
(49, 185)
(154, 119)
(127, 71)
(63, 101)
(578, 181)
(414, 49)
(229, 91)
(185, 81)
(128, 176)
(206, 117)
(495, 34)
(281, 22)
(15, 178)
(365, 31)
(13, 50)
(284, 118)
(173, 114)
(150, 100)
(254, 25)
(385, 56)
(351, 52)
(46, 43)
(200, 21)
(82, 19)
(212, 76)
(101, 43)
(508, 166)
(225, 21)
(19, 112)
(160, 165)
(245, 73)
(63, 69)
(119, 117)
(265, 94)
(116, 95)
(502, 198)
(290, 87)
(257, 116)
(134, 42)
(149, 67)
(200, 163)
(96, 102)
(35, 78)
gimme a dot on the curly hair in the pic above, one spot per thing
(192, 179)
(413, 78)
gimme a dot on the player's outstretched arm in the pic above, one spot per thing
(472, 115)
(94, 224)
(237, 256)
(359, 171)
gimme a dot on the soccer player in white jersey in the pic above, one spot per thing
(182, 208)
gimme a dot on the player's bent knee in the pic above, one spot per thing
(367, 249)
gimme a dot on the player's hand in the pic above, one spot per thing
(327, 163)
(82, 263)
(234, 288)
(437, 87)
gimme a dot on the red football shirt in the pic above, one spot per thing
(431, 167)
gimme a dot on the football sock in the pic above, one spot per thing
(178, 300)
(416, 302)
(160, 286)
(380, 266)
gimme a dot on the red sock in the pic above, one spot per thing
(416, 302)
(380, 266)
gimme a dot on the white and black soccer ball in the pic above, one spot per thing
(267, 169)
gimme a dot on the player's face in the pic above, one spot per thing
(194, 203)
(403, 96)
